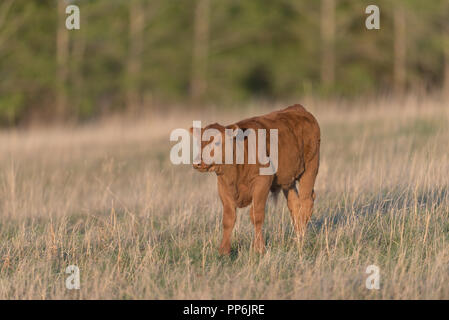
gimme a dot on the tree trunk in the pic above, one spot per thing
(62, 52)
(200, 50)
(400, 51)
(77, 55)
(445, 38)
(134, 64)
(446, 70)
(327, 42)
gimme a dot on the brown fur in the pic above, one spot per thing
(240, 185)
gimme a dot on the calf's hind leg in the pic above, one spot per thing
(300, 203)
(291, 194)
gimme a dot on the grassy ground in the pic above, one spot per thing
(106, 198)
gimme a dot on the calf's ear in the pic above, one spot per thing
(191, 130)
(233, 126)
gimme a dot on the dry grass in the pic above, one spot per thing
(107, 199)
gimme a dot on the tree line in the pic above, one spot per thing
(130, 55)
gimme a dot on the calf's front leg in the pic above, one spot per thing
(257, 212)
(229, 216)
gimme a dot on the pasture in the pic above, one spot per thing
(106, 198)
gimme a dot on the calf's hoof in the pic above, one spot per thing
(224, 251)
(259, 248)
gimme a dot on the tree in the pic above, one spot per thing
(445, 42)
(327, 42)
(200, 50)
(400, 50)
(134, 64)
(62, 53)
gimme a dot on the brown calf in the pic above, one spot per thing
(240, 185)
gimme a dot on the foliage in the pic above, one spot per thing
(256, 49)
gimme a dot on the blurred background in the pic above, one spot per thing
(85, 173)
(145, 55)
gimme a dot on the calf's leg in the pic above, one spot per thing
(229, 216)
(291, 194)
(300, 203)
(306, 192)
(257, 211)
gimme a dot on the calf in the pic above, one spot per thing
(240, 185)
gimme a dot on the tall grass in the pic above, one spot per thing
(106, 198)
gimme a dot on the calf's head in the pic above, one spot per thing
(209, 147)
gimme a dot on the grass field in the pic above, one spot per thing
(106, 198)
